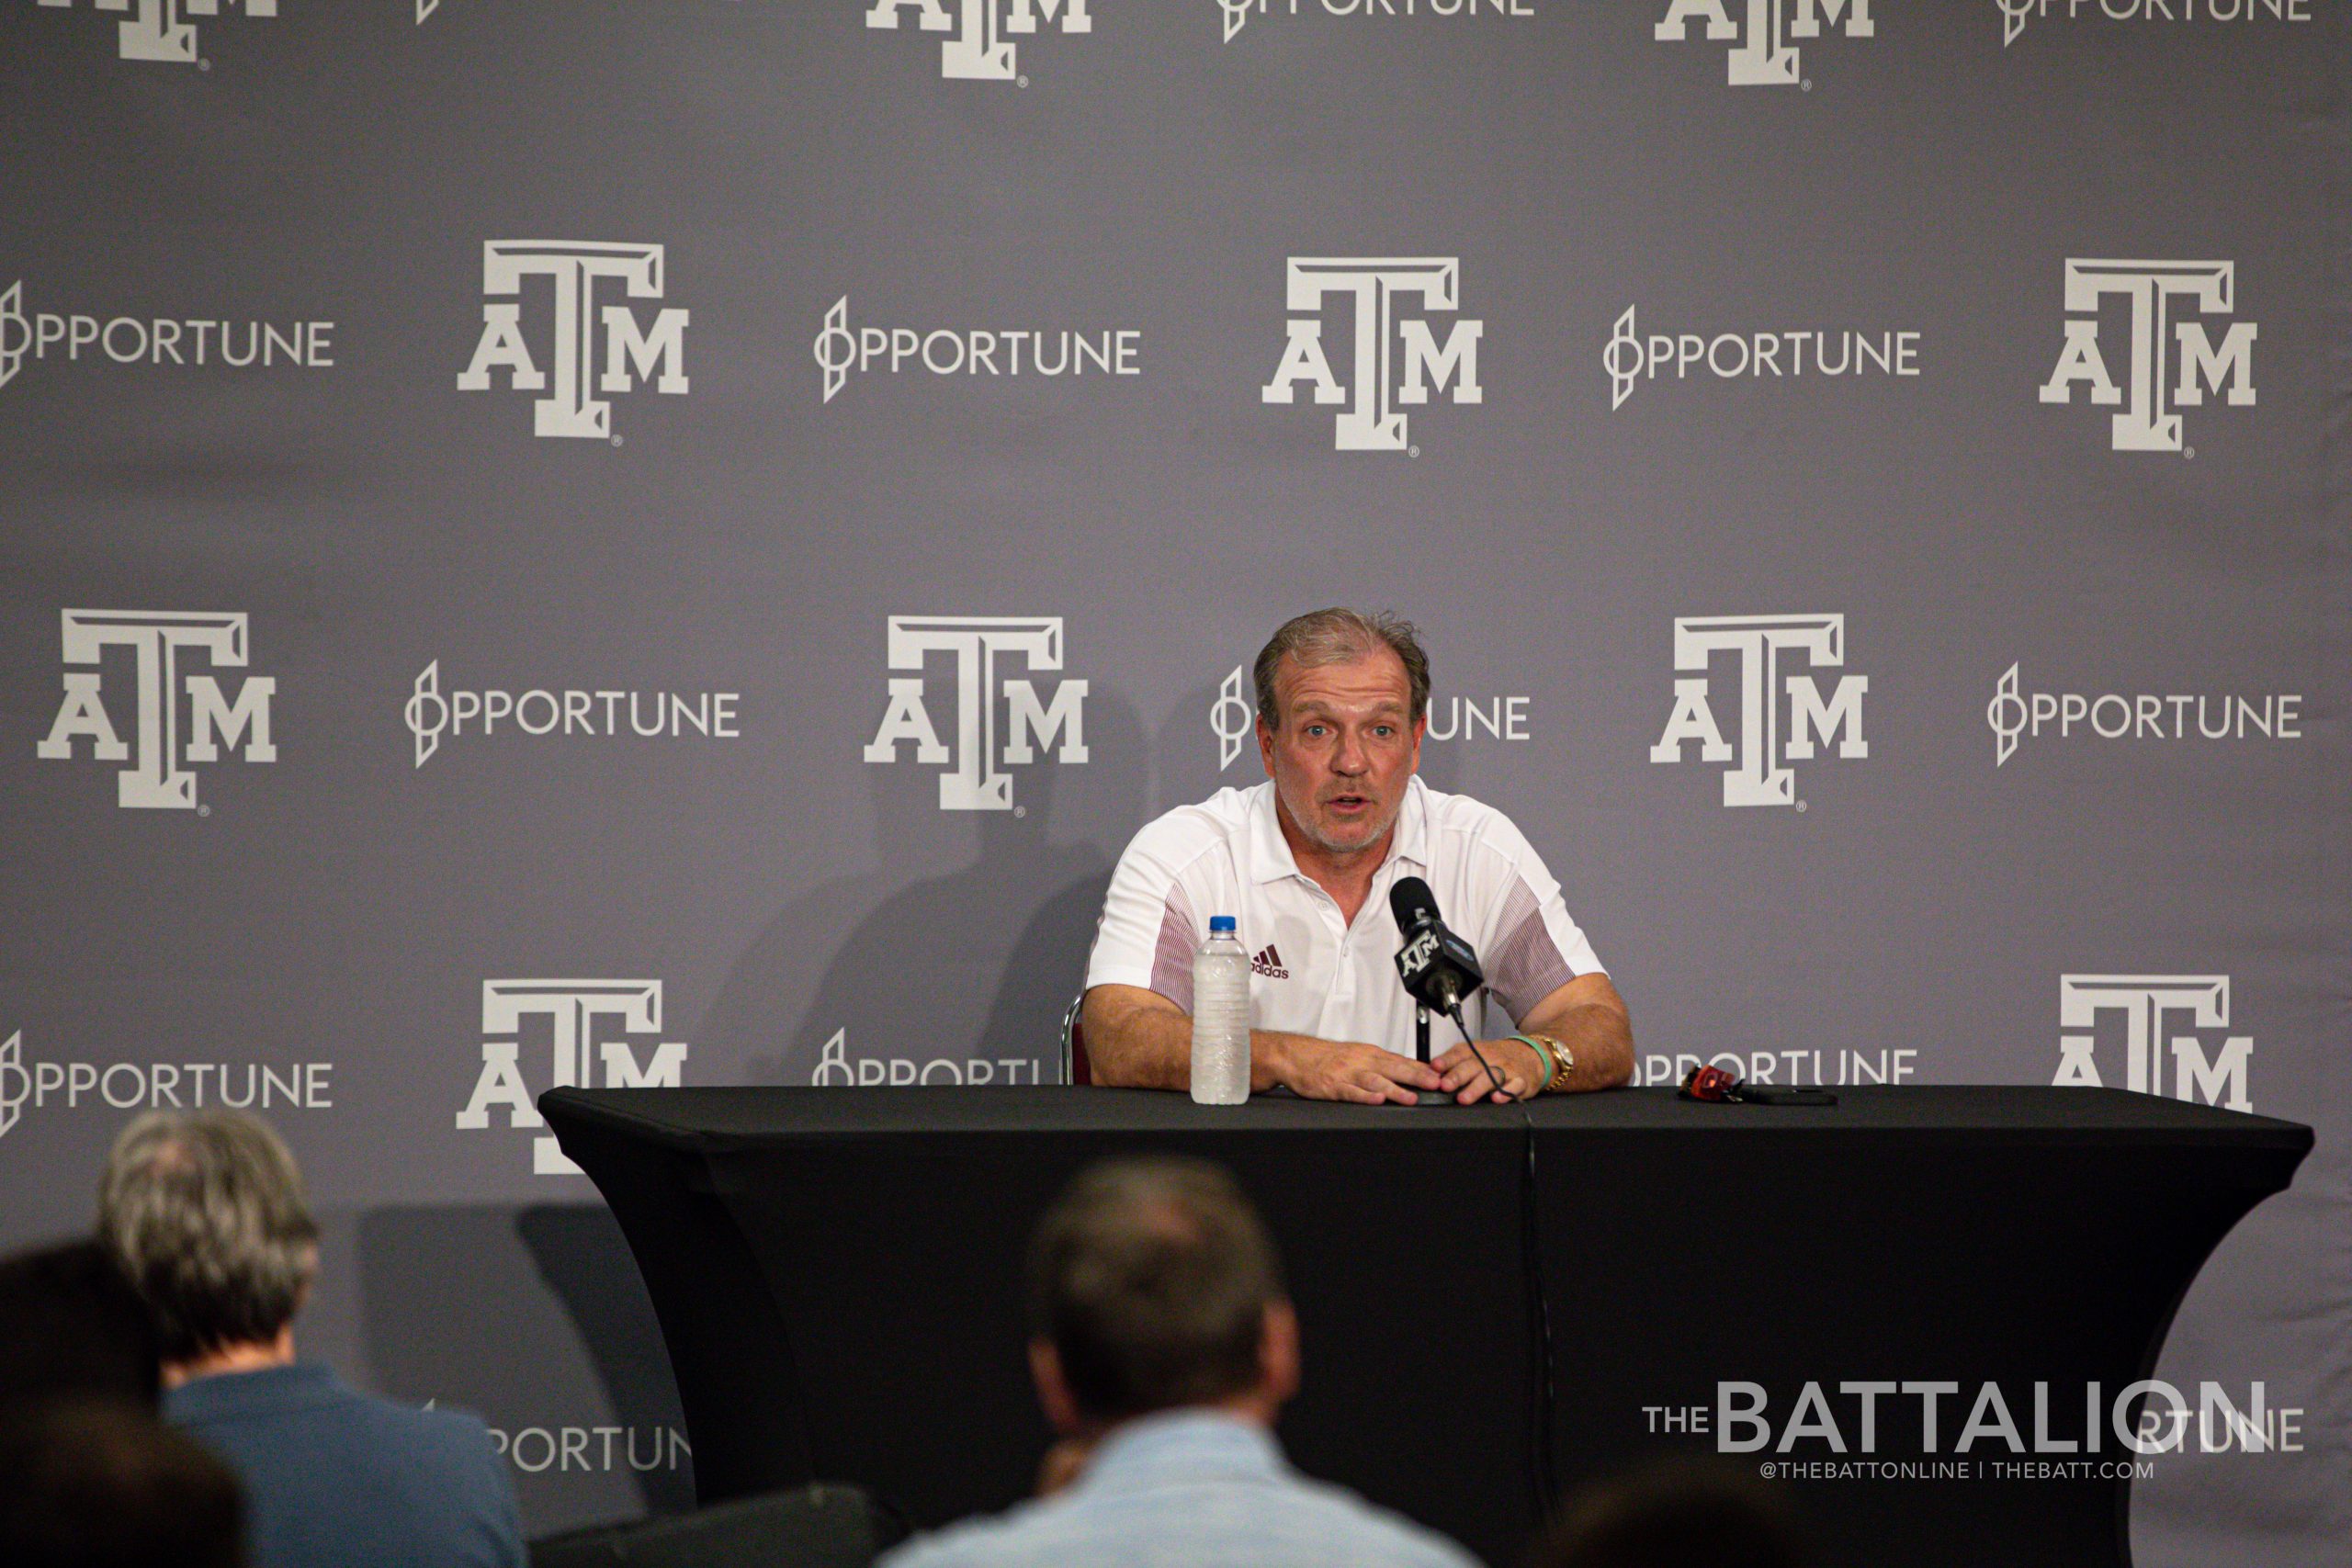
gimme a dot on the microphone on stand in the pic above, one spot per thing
(1440, 970)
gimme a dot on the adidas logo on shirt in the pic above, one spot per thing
(1269, 962)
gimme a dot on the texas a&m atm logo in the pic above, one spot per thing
(981, 51)
(1762, 51)
(574, 268)
(589, 1023)
(1393, 359)
(2151, 1005)
(2160, 384)
(973, 781)
(1759, 774)
(164, 737)
(157, 32)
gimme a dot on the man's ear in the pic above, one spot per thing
(1266, 744)
(1053, 1390)
(1278, 1353)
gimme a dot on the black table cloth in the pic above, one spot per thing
(1495, 1301)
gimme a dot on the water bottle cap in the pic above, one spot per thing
(1220, 923)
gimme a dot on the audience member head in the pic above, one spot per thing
(204, 1213)
(98, 1484)
(71, 1324)
(1676, 1513)
(1154, 1285)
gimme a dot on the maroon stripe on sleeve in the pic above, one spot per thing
(1526, 965)
(1171, 964)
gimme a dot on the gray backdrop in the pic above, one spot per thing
(1966, 380)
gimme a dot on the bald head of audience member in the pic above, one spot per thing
(1153, 1285)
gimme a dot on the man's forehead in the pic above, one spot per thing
(1373, 679)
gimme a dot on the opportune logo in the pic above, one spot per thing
(1759, 774)
(1396, 360)
(1238, 12)
(157, 1086)
(588, 1022)
(834, 1067)
(157, 33)
(161, 744)
(1631, 358)
(979, 51)
(2147, 1002)
(2015, 14)
(602, 714)
(959, 351)
(156, 340)
(2015, 715)
(1234, 717)
(1761, 53)
(2148, 424)
(972, 782)
(575, 267)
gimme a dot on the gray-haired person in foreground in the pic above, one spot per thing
(205, 1213)
(1163, 1348)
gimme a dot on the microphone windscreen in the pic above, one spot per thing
(1412, 902)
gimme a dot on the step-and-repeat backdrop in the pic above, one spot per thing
(674, 541)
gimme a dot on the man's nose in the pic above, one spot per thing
(1350, 758)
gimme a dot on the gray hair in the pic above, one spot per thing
(1152, 1278)
(204, 1212)
(1338, 637)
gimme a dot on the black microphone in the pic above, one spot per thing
(1440, 970)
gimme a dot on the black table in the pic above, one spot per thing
(837, 1274)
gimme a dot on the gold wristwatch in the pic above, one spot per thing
(1564, 1061)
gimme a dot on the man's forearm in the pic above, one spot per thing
(1598, 1036)
(1149, 1047)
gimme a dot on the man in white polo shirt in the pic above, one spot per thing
(1304, 862)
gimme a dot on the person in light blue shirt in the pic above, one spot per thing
(204, 1212)
(1165, 1346)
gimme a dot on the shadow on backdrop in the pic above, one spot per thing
(534, 1319)
(912, 967)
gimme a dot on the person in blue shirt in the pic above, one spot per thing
(1165, 1346)
(205, 1213)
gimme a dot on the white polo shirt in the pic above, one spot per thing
(1312, 972)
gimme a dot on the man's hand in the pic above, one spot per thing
(1520, 1065)
(1328, 1069)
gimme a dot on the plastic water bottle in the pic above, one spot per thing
(1221, 1017)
